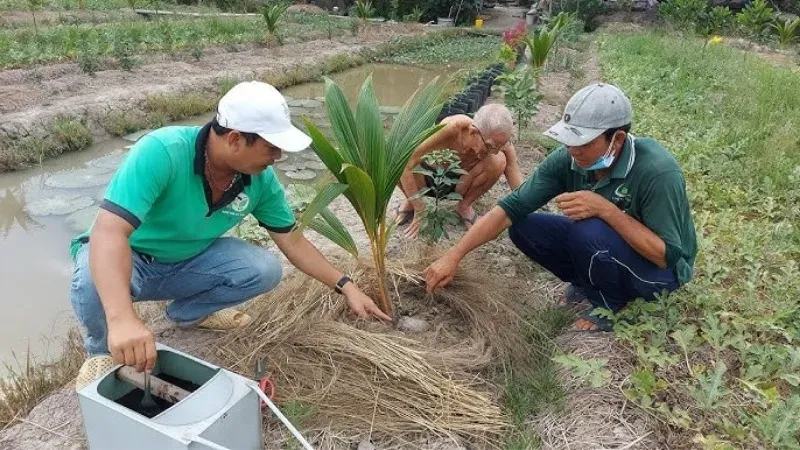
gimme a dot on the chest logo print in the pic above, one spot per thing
(622, 191)
(240, 203)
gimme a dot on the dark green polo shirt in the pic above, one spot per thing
(646, 182)
(161, 190)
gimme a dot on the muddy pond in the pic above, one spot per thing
(42, 208)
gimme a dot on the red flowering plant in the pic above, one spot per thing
(514, 36)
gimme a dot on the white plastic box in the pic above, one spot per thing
(224, 412)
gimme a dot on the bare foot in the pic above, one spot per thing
(467, 215)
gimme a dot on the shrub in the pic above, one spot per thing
(755, 18)
(71, 133)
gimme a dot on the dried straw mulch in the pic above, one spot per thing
(368, 380)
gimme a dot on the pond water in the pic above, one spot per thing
(42, 208)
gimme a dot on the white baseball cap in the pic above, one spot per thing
(591, 111)
(256, 107)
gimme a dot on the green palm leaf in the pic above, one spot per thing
(325, 150)
(321, 201)
(370, 135)
(328, 225)
(362, 191)
(343, 124)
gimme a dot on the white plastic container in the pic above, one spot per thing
(224, 412)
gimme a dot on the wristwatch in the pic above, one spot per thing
(340, 284)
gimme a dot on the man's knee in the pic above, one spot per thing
(589, 235)
(261, 272)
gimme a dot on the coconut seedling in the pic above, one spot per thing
(273, 13)
(35, 5)
(543, 41)
(367, 163)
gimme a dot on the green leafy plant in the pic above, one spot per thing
(520, 94)
(272, 13)
(787, 31)
(367, 163)
(756, 17)
(591, 370)
(445, 173)
(685, 14)
(123, 51)
(542, 42)
(132, 4)
(33, 6)
(508, 56)
(89, 60)
(364, 9)
(414, 16)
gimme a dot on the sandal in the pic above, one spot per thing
(226, 319)
(470, 220)
(573, 295)
(601, 324)
(408, 216)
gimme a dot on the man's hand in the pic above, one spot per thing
(419, 210)
(581, 205)
(362, 305)
(131, 343)
(440, 273)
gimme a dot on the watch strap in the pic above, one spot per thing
(340, 284)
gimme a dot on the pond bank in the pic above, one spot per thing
(57, 108)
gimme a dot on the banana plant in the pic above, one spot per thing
(367, 163)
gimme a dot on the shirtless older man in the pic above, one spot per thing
(482, 144)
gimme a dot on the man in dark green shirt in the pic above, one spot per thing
(627, 230)
(159, 231)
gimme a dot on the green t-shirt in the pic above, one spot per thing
(161, 190)
(646, 182)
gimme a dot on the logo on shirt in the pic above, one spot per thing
(240, 203)
(622, 197)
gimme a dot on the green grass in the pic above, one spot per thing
(22, 47)
(98, 5)
(467, 48)
(535, 388)
(719, 360)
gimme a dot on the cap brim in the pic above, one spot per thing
(572, 136)
(291, 140)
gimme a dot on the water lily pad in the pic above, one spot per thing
(81, 178)
(299, 196)
(311, 156)
(133, 137)
(301, 174)
(286, 166)
(82, 220)
(304, 103)
(316, 165)
(58, 205)
(109, 161)
(390, 109)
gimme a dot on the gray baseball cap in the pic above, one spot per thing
(591, 111)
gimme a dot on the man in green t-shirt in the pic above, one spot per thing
(158, 235)
(627, 230)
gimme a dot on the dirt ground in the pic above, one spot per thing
(31, 97)
(592, 418)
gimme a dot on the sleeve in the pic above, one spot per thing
(273, 211)
(546, 182)
(663, 208)
(139, 181)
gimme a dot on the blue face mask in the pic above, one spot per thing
(605, 161)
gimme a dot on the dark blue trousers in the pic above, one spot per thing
(591, 255)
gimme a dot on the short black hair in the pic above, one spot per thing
(219, 130)
(609, 133)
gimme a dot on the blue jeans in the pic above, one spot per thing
(227, 273)
(591, 255)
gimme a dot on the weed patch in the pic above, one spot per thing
(719, 360)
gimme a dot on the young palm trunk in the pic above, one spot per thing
(379, 256)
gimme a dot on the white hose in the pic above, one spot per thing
(283, 419)
(207, 443)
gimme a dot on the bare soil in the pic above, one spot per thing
(29, 97)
